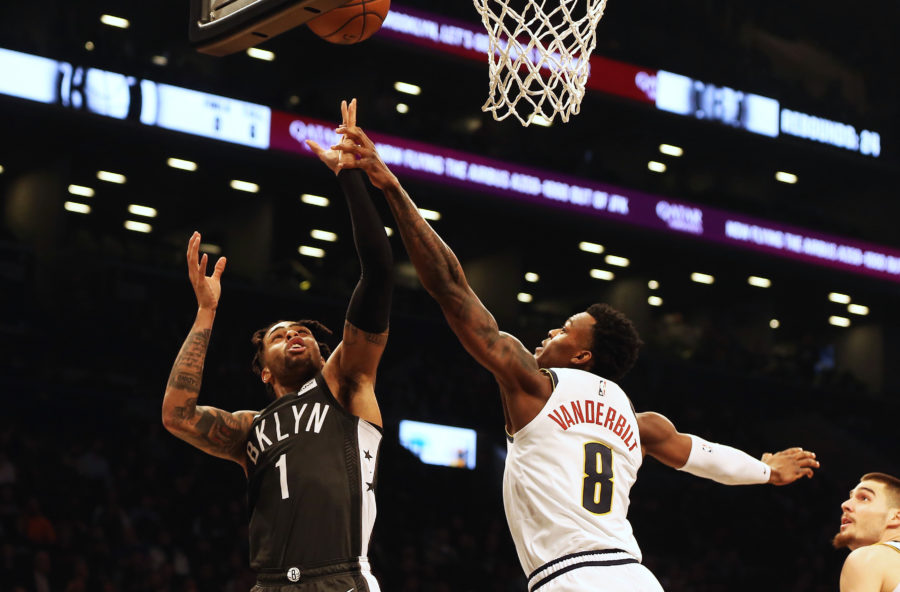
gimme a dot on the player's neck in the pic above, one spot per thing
(282, 389)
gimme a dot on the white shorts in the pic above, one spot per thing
(628, 577)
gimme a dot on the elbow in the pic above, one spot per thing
(170, 421)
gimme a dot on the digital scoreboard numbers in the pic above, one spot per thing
(679, 94)
(755, 113)
(204, 114)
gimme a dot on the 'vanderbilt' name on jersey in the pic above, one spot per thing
(570, 470)
(311, 469)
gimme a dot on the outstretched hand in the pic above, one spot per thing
(334, 157)
(206, 288)
(363, 155)
(789, 465)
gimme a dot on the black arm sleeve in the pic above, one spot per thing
(370, 305)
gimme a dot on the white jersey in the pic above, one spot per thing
(895, 545)
(568, 476)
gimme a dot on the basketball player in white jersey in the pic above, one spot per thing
(870, 528)
(574, 441)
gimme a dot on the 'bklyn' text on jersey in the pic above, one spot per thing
(276, 431)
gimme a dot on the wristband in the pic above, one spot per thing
(724, 464)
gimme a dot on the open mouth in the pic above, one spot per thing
(296, 345)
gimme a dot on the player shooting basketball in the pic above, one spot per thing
(310, 456)
(571, 428)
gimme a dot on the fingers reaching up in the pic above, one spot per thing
(207, 289)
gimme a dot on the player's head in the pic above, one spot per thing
(872, 512)
(600, 340)
(288, 353)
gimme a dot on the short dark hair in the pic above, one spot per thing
(891, 484)
(615, 342)
(319, 331)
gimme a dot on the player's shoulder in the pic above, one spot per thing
(870, 557)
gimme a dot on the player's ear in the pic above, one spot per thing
(582, 359)
(266, 375)
(894, 518)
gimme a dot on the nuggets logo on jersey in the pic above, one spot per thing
(569, 473)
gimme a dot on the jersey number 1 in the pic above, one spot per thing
(597, 490)
(282, 472)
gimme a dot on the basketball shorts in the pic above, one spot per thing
(601, 573)
(337, 577)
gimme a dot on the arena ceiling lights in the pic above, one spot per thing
(261, 54)
(315, 200)
(670, 150)
(308, 251)
(78, 208)
(839, 298)
(81, 191)
(702, 278)
(114, 21)
(244, 186)
(858, 309)
(144, 211)
(838, 321)
(323, 235)
(784, 177)
(135, 226)
(590, 247)
(109, 177)
(181, 164)
(407, 88)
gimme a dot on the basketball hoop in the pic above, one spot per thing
(539, 56)
(223, 27)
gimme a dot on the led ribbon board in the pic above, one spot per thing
(179, 109)
(668, 91)
(468, 171)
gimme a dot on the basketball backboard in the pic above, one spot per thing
(223, 27)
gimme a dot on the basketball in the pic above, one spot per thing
(351, 23)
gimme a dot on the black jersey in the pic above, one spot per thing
(311, 481)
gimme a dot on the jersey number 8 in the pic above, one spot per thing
(597, 489)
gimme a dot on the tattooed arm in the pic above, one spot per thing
(212, 430)
(522, 385)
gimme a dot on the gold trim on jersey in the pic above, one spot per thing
(895, 546)
(551, 375)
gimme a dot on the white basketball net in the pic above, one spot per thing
(539, 56)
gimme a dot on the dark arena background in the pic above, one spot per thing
(782, 162)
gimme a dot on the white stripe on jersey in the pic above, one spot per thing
(367, 575)
(570, 470)
(369, 439)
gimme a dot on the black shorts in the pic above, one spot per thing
(336, 577)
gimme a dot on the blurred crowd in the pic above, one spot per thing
(96, 496)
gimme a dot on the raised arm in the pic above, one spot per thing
(217, 432)
(718, 462)
(352, 367)
(441, 274)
